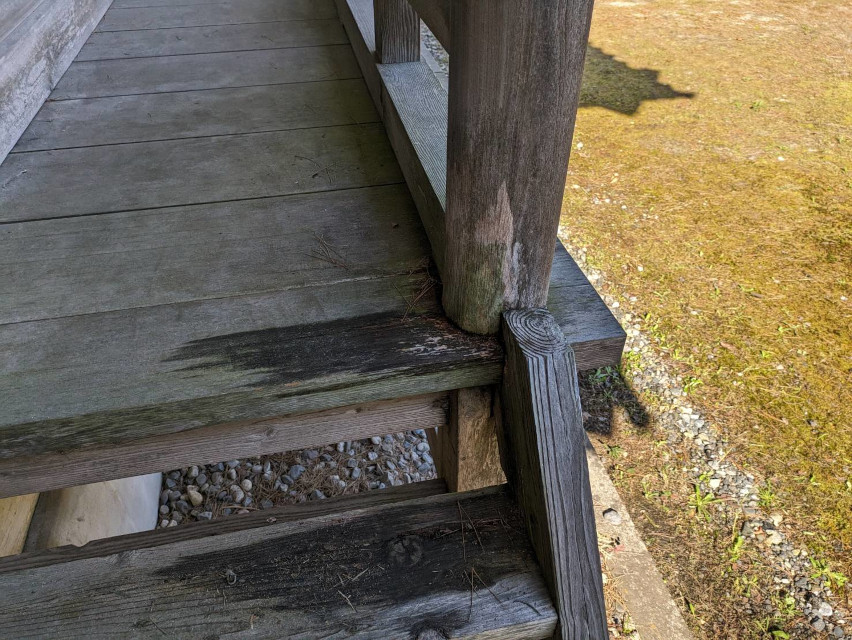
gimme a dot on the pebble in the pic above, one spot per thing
(295, 472)
(195, 498)
(246, 485)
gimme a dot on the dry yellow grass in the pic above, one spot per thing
(711, 178)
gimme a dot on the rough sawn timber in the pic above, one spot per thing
(450, 566)
(397, 32)
(514, 91)
(224, 441)
(544, 457)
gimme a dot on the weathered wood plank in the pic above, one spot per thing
(212, 444)
(57, 268)
(437, 14)
(397, 31)
(514, 90)
(415, 116)
(214, 112)
(131, 4)
(167, 16)
(50, 184)
(465, 450)
(107, 45)
(193, 72)
(442, 566)
(545, 461)
(34, 53)
(171, 368)
(199, 530)
(589, 326)
(358, 21)
(15, 514)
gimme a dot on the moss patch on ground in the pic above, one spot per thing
(711, 180)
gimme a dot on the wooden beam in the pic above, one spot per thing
(514, 90)
(448, 566)
(437, 15)
(465, 451)
(397, 32)
(544, 457)
(197, 530)
(15, 514)
(223, 442)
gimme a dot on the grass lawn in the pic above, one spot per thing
(711, 180)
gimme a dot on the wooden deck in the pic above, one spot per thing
(206, 227)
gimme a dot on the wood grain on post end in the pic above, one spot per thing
(544, 452)
(514, 90)
(397, 32)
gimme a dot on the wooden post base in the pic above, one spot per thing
(465, 451)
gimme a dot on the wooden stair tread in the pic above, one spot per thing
(451, 566)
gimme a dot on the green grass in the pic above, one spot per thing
(714, 184)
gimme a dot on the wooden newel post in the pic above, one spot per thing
(397, 32)
(543, 453)
(515, 78)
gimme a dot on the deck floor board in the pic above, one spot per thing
(194, 72)
(168, 16)
(145, 43)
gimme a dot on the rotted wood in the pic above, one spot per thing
(514, 90)
(465, 450)
(448, 566)
(397, 32)
(544, 458)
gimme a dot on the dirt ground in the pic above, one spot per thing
(711, 181)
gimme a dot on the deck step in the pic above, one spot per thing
(400, 563)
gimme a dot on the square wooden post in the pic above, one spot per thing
(515, 78)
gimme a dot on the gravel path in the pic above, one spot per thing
(203, 492)
(737, 491)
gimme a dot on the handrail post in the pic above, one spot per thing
(515, 78)
(397, 32)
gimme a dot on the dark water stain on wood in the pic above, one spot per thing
(356, 566)
(367, 344)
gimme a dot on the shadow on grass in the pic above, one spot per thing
(612, 84)
(603, 392)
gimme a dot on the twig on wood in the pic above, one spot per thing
(472, 526)
(478, 577)
(328, 253)
(348, 601)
